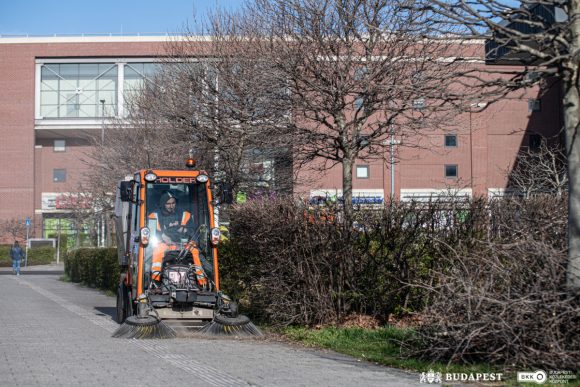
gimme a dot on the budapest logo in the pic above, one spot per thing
(430, 377)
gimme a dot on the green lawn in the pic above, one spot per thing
(382, 346)
(377, 345)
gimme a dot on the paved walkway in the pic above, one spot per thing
(36, 269)
(59, 334)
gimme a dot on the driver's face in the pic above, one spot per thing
(170, 206)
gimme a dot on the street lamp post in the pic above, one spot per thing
(58, 242)
(392, 142)
(101, 241)
(27, 223)
(102, 101)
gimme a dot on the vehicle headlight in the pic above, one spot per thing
(150, 177)
(202, 178)
(215, 235)
(145, 233)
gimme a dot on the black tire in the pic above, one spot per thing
(123, 307)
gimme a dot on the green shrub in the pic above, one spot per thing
(5, 260)
(41, 256)
(36, 256)
(93, 267)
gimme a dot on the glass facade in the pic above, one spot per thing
(78, 90)
(89, 90)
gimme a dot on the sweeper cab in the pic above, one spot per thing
(167, 239)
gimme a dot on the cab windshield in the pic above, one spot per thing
(175, 215)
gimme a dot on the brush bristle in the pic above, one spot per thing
(217, 328)
(134, 330)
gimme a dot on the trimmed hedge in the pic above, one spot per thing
(96, 268)
(36, 256)
(290, 264)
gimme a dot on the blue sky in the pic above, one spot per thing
(48, 17)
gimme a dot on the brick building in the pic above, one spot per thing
(55, 90)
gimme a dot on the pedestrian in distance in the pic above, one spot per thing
(16, 254)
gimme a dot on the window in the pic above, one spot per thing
(450, 140)
(360, 73)
(362, 172)
(417, 78)
(59, 145)
(451, 170)
(419, 104)
(74, 90)
(535, 141)
(135, 76)
(534, 105)
(59, 175)
(363, 140)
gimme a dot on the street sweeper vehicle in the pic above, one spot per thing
(167, 240)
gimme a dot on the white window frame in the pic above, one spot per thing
(361, 168)
(119, 62)
(59, 148)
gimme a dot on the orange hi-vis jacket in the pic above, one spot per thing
(162, 247)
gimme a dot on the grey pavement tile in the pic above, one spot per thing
(58, 334)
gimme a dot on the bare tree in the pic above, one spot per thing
(355, 72)
(138, 141)
(543, 38)
(540, 171)
(285, 84)
(13, 227)
(233, 105)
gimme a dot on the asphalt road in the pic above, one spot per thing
(59, 334)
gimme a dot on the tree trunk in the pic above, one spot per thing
(571, 121)
(571, 117)
(347, 163)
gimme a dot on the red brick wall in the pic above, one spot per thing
(488, 141)
(18, 195)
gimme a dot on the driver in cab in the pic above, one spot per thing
(173, 226)
(170, 224)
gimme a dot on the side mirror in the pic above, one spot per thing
(126, 190)
(226, 195)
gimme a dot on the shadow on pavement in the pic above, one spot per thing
(106, 311)
(36, 272)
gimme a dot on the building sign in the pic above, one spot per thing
(367, 200)
(64, 201)
(370, 196)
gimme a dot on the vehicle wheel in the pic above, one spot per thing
(122, 304)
